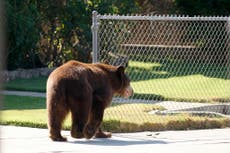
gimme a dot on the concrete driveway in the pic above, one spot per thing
(32, 140)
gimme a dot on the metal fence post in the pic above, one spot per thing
(94, 28)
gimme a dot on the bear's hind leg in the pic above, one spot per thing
(56, 116)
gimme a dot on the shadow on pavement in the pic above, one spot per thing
(112, 142)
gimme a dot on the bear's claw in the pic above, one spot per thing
(58, 138)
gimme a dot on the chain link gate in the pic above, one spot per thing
(176, 65)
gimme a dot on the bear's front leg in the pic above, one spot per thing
(89, 131)
(79, 119)
(77, 131)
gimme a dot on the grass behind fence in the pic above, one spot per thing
(162, 81)
(179, 82)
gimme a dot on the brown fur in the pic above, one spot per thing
(85, 90)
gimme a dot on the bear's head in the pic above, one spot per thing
(125, 89)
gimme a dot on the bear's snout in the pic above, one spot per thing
(128, 92)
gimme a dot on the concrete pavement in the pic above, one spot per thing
(32, 140)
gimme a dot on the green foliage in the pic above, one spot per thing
(65, 32)
(22, 34)
(53, 32)
(113, 6)
(203, 7)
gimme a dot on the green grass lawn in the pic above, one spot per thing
(162, 81)
(187, 88)
(32, 84)
(180, 81)
(31, 112)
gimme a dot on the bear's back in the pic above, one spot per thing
(74, 71)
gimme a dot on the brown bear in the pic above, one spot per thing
(85, 90)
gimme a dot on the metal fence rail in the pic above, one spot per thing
(175, 59)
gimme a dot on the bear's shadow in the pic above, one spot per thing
(115, 142)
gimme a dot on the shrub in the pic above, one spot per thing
(53, 32)
(22, 34)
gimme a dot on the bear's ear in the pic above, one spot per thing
(121, 73)
(121, 69)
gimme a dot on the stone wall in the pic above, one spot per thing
(25, 73)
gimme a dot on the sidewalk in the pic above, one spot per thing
(32, 140)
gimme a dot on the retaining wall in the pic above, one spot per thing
(25, 73)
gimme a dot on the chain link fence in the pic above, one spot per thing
(176, 64)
